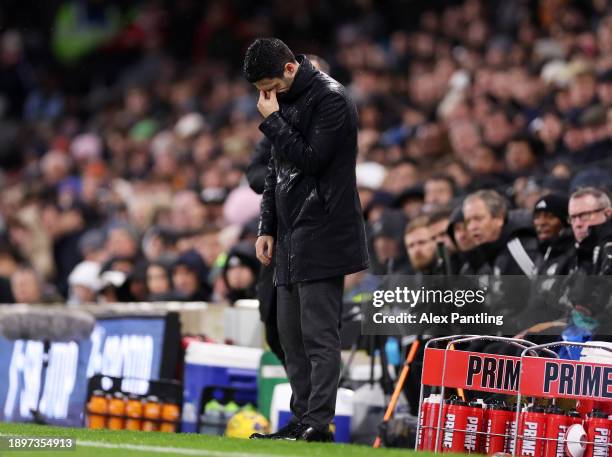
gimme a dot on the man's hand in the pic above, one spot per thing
(267, 103)
(264, 247)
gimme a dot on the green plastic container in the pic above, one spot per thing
(271, 372)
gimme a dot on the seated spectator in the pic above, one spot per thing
(439, 192)
(387, 237)
(520, 156)
(122, 241)
(411, 201)
(26, 286)
(420, 246)
(457, 230)
(555, 238)
(240, 271)
(159, 282)
(189, 278)
(504, 245)
(589, 214)
(84, 283)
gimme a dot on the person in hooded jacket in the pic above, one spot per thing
(311, 226)
(189, 277)
(460, 237)
(240, 272)
(390, 256)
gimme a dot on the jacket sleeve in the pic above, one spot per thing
(267, 215)
(258, 168)
(309, 153)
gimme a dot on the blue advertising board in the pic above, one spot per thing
(49, 380)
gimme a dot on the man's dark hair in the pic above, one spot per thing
(440, 214)
(444, 177)
(266, 58)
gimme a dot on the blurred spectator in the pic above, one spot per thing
(411, 201)
(389, 251)
(457, 230)
(65, 227)
(420, 246)
(240, 271)
(159, 282)
(520, 157)
(122, 242)
(16, 74)
(439, 191)
(92, 245)
(189, 278)
(84, 282)
(27, 287)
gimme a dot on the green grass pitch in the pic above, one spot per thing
(102, 443)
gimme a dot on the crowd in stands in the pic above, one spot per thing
(485, 127)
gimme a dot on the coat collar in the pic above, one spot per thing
(303, 80)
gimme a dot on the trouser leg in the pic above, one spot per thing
(297, 363)
(321, 308)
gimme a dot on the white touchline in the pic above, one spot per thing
(171, 450)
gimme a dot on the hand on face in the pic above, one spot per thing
(267, 103)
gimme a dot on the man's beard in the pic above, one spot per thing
(421, 263)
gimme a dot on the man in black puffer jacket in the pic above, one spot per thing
(311, 227)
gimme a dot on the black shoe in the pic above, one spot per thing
(312, 435)
(288, 432)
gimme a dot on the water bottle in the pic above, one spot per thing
(212, 421)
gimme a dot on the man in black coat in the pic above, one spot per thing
(590, 215)
(266, 292)
(311, 226)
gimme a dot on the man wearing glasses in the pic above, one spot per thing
(588, 213)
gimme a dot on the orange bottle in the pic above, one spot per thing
(116, 410)
(97, 409)
(151, 414)
(133, 411)
(170, 415)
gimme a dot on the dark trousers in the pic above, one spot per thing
(309, 329)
